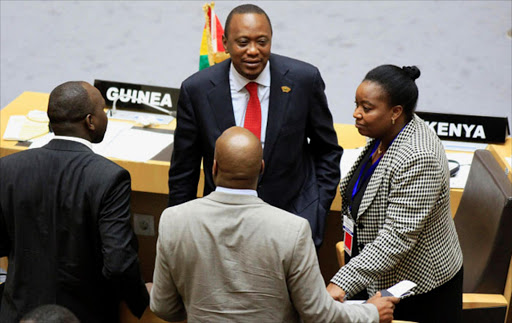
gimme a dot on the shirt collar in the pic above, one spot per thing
(76, 139)
(236, 191)
(239, 82)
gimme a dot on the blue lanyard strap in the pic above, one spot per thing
(368, 173)
(370, 170)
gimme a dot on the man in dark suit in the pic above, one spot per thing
(65, 219)
(295, 126)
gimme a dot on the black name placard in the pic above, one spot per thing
(469, 128)
(139, 97)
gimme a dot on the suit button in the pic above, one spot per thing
(360, 226)
(361, 246)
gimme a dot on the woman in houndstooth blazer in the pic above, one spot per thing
(396, 205)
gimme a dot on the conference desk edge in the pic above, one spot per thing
(151, 176)
(146, 176)
(150, 179)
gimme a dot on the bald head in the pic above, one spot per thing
(50, 313)
(238, 160)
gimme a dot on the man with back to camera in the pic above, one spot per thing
(231, 257)
(287, 111)
(65, 219)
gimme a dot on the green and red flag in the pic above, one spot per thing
(212, 50)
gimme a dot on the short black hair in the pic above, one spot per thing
(69, 102)
(399, 84)
(244, 9)
(50, 313)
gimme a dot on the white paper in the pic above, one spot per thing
(402, 288)
(137, 145)
(463, 146)
(114, 129)
(21, 128)
(348, 159)
(12, 132)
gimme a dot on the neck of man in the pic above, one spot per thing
(237, 184)
(70, 131)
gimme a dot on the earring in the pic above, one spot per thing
(392, 121)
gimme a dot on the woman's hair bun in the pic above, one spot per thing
(412, 71)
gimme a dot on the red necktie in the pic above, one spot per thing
(253, 113)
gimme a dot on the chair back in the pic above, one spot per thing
(484, 225)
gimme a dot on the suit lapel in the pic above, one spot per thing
(278, 102)
(378, 175)
(346, 179)
(373, 185)
(219, 97)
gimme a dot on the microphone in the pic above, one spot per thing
(139, 101)
(454, 167)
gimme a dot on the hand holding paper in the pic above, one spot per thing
(401, 289)
(385, 306)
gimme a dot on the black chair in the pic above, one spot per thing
(484, 225)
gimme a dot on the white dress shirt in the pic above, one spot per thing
(236, 191)
(240, 96)
(80, 140)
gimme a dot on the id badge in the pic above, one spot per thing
(348, 235)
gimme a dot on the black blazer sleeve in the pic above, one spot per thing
(119, 244)
(186, 157)
(5, 245)
(324, 146)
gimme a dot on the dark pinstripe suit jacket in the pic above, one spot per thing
(64, 224)
(404, 224)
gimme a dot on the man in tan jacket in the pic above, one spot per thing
(232, 257)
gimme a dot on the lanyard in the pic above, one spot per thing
(370, 170)
(368, 173)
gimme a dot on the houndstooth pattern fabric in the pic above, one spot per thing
(404, 224)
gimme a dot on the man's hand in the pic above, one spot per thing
(336, 292)
(385, 306)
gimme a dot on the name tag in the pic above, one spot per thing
(348, 236)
